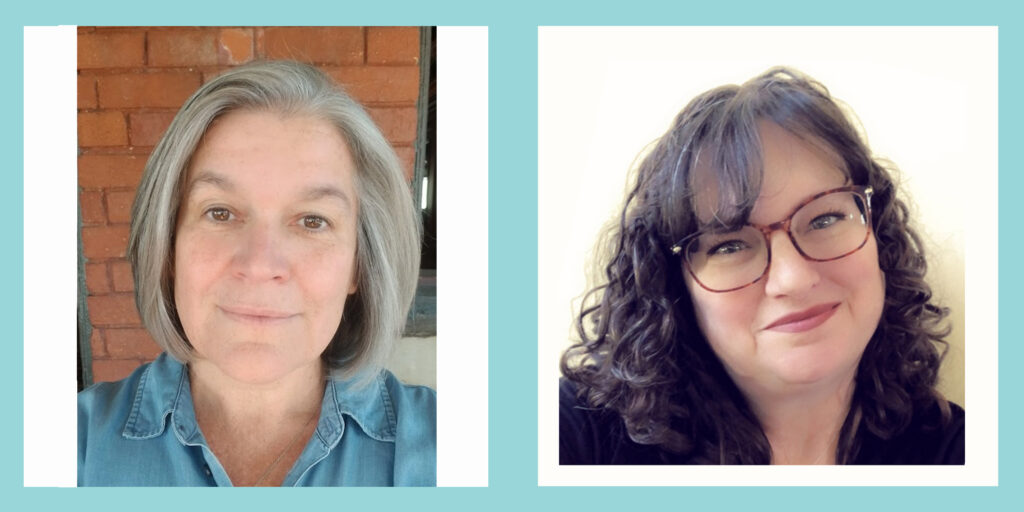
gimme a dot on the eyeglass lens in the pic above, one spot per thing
(827, 228)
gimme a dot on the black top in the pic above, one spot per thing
(598, 436)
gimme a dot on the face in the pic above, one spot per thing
(805, 323)
(266, 243)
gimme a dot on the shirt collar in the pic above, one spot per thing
(163, 391)
(159, 388)
(370, 405)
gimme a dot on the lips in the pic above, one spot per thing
(255, 314)
(804, 320)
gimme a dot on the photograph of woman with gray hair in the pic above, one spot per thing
(275, 251)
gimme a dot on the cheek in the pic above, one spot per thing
(725, 319)
(196, 263)
(325, 291)
(860, 275)
(866, 282)
(326, 276)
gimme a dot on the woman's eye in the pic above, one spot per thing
(218, 214)
(726, 248)
(314, 223)
(826, 220)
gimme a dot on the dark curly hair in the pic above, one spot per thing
(641, 353)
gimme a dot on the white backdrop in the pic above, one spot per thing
(925, 97)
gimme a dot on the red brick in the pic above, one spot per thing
(111, 50)
(234, 46)
(180, 48)
(325, 45)
(119, 206)
(133, 342)
(213, 72)
(109, 370)
(96, 281)
(146, 128)
(86, 92)
(99, 242)
(259, 42)
(114, 309)
(168, 90)
(91, 203)
(407, 155)
(392, 45)
(397, 124)
(121, 276)
(99, 349)
(98, 171)
(380, 84)
(102, 129)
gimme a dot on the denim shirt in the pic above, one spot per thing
(142, 431)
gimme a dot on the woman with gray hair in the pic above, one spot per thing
(275, 251)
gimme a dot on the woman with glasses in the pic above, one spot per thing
(764, 301)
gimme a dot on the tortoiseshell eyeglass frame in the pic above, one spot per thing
(864, 192)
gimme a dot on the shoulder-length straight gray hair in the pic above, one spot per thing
(388, 250)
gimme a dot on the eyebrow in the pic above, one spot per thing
(211, 178)
(313, 193)
(322, 191)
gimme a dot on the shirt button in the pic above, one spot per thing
(206, 468)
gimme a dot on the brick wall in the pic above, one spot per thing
(132, 80)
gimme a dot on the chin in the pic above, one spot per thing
(255, 364)
(811, 366)
(803, 376)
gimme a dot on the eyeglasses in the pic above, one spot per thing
(826, 226)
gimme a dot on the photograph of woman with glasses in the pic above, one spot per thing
(763, 300)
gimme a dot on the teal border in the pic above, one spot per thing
(513, 247)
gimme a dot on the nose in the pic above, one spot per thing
(790, 274)
(260, 254)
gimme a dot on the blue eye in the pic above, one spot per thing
(728, 247)
(826, 221)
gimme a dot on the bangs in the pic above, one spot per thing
(726, 174)
(714, 151)
(718, 172)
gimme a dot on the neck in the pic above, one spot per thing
(803, 427)
(220, 397)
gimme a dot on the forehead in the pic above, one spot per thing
(795, 168)
(267, 149)
(788, 169)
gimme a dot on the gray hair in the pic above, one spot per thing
(388, 251)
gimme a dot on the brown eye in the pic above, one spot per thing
(314, 223)
(219, 214)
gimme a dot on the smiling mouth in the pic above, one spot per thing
(804, 320)
(256, 316)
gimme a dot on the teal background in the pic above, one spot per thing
(513, 248)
